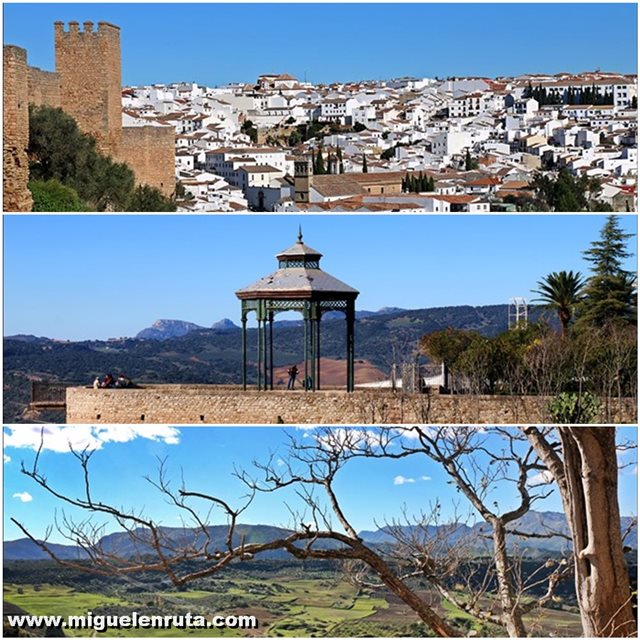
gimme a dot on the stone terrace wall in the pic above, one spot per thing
(44, 87)
(150, 152)
(210, 404)
(15, 131)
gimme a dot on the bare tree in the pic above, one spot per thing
(311, 470)
(584, 465)
(150, 539)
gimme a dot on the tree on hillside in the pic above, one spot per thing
(561, 292)
(566, 192)
(51, 195)
(365, 168)
(469, 163)
(59, 151)
(610, 293)
(146, 198)
(249, 129)
(319, 168)
(340, 160)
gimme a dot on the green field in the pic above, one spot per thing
(323, 604)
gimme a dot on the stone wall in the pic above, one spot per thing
(44, 87)
(213, 404)
(150, 152)
(15, 131)
(88, 65)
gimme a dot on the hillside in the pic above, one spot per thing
(213, 355)
(121, 544)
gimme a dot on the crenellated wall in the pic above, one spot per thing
(15, 130)
(213, 404)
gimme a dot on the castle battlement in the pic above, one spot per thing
(87, 85)
(104, 29)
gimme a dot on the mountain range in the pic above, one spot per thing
(167, 329)
(122, 545)
(196, 355)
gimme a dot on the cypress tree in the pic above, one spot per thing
(320, 170)
(365, 168)
(340, 163)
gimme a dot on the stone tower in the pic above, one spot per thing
(88, 68)
(303, 176)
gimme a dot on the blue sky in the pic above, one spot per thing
(369, 490)
(219, 43)
(95, 277)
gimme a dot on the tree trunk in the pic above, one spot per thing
(601, 575)
(511, 616)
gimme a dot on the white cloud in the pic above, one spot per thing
(7, 458)
(280, 462)
(399, 480)
(58, 438)
(544, 477)
(425, 477)
(23, 497)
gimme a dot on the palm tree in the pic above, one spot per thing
(561, 291)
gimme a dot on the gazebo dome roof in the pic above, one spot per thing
(295, 282)
(298, 276)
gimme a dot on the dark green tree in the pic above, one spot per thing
(59, 151)
(340, 161)
(365, 168)
(319, 168)
(467, 161)
(51, 195)
(561, 292)
(609, 295)
(146, 198)
(249, 129)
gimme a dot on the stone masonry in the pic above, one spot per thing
(15, 132)
(87, 85)
(88, 68)
(214, 404)
(150, 152)
(44, 87)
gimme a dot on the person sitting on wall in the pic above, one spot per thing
(122, 381)
(107, 382)
(293, 372)
(96, 383)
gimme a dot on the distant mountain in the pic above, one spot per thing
(165, 329)
(26, 549)
(23, 337)
(121, 544)
(225, 325)
(533, 522)
(181, 352)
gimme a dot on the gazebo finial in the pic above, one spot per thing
(299, 234)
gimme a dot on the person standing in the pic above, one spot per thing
(293, 373)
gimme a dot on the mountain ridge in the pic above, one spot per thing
(455, 533)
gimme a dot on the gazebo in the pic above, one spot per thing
(299, 284)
